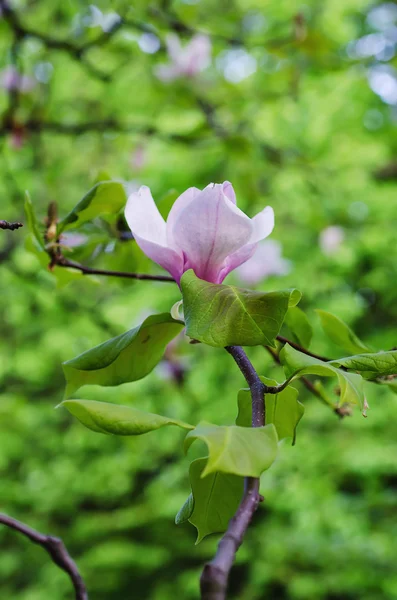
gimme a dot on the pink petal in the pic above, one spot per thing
(229, 191)
(263, 224)
(236, 259)
(209, 229)
(149, 230)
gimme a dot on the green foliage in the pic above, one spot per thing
(214, 499)
(105, 198)
(296, 364)
(32, 222)
(299, 325)
(238, 450)
(115, 419)
(127, 357)
(340, 333)
(370, 365)
(283, 410)
(224, 315)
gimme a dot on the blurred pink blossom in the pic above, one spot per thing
(11, 80)
(138, 158)
(266, 261)
(185, 61)
(331, 239)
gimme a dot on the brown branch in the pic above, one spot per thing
(10, 226)
(64, 262)
(55, 548)
(214, 578)
(285, 340)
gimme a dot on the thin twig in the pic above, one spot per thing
(55, 548)
(285, 340)
(10, 226)
(215, 575)
(64, 262)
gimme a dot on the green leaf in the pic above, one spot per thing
(215, 499)
(32, 222)
(297, 364)
(340, 333)
(282, 409)
(369, 365)
(239, 450)
(127, 357)
(185, 512)
(116, 419)
(299, 325)
(225, 315)
(106, 197)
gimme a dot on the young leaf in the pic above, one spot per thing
(116, 419)
(127, 357)
(239, 450)
(340, 333)
(32, 222)
(106, 197)
(377, 364)
(225, 315)
(283, 410)
(185, 512)
(214, 499)
(297, 364)
(299, 325)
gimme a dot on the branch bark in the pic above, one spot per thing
(64, 262)
(55, 548)
(10, 226)
(215, 575)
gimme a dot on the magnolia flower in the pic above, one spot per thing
(331, 239)
(187, 61)
(11, 80)
(205, 231)
(266, 261)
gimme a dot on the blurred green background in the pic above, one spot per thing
(298, 110)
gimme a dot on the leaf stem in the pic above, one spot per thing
(215, 575)
(55, 548)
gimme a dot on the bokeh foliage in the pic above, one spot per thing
(303, 133)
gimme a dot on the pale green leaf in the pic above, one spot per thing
(225, 315)
(105, 198)
(127, 357)
(185, 512)
(296, 364)
(340, 333)
(376, 364)
(299, 325)
(239, 450)
(282, 409)
(215, 499)
(116, 419)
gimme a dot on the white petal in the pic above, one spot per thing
(236, 259)
(149, 230)
(229, 191)
(263, 224)
(143, 217)
(179, 205)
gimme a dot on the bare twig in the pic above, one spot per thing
(64, 262)
(55, 548)
(10, 226)
(214, 578)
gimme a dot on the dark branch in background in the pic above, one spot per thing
(55, 548)
(64, 262)
(213, 582)
(10, 226)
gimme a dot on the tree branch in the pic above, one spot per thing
(55, 548)
(214, 578)
(10, 226)
(70, 264)
(285, 340)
